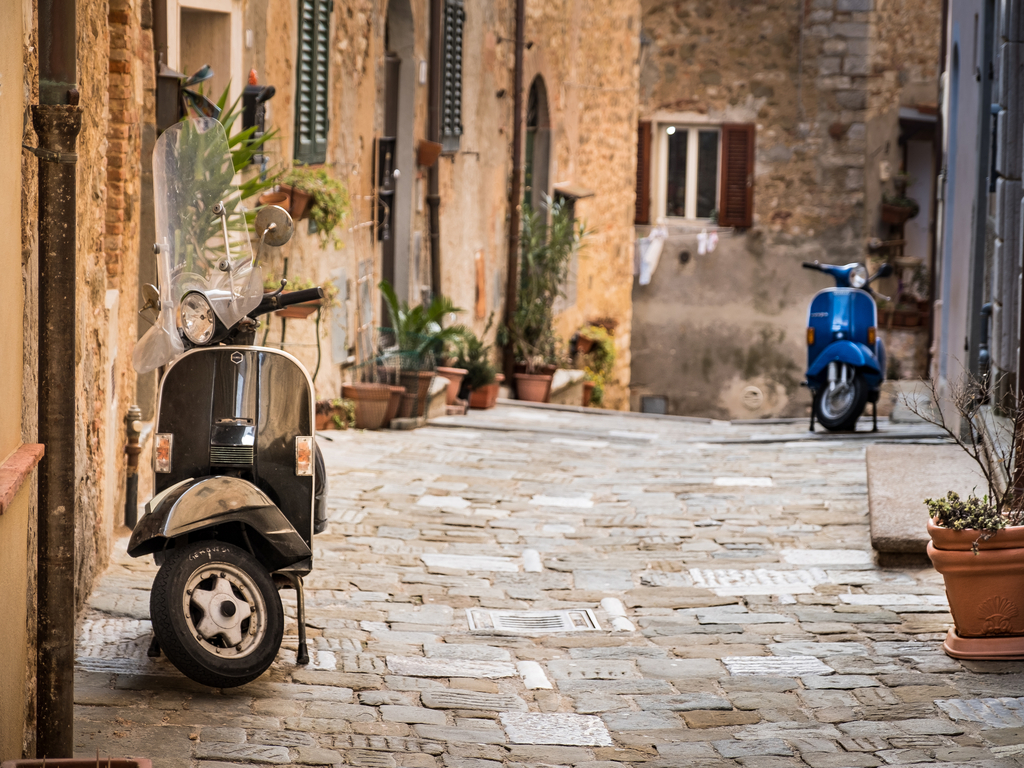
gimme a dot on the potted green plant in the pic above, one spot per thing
(416, 339)
(898, 208)
(337, 413)
(482, 377)
(545, 254)
(977, 544)
(598, 361)
(313, 193)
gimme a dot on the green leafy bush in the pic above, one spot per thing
(331, 201)
(418, 335)
(970, 514)
(475, 356)
(599, 361)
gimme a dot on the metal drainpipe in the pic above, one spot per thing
(511, 283)
(939, 171)
(57, 121)
(434, 134)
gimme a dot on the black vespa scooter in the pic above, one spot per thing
(240, 484)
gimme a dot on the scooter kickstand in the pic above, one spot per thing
(874, 416)
(302, 656)
(154, 648)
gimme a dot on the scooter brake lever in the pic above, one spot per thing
(278, 291)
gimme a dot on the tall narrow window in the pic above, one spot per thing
(451, 76)
(707, 173)
(675, 191)
(311, 120)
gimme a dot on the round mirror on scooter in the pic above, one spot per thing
(274, 225)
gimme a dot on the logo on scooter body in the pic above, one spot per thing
(237, 358)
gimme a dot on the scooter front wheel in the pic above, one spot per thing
(839, 408)
(216, 614)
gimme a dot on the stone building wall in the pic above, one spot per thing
(732, 322)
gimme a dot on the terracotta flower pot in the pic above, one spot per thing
(533, 387)
(301, 201)
(454, 376)
(407, 408)
(584, 345)
(588, 392)
(486, 396)
(895, 214)
(394, 403)
(275, 198)
(416, 383)
(371, 403)
(985, 590)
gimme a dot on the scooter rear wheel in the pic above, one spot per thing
(839, 413)
(216, 614)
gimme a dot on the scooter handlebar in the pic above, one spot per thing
(271, 302)
(812, 265)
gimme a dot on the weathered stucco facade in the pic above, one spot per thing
(823, 84)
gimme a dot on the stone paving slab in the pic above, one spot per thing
(737, 623)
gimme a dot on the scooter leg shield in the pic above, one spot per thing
(320, 499)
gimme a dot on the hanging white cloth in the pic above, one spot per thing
(702, 242)
(712, 240)
(650, 255)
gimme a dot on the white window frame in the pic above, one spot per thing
(659, 176)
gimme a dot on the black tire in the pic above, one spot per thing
(843, 419)
(193, 637)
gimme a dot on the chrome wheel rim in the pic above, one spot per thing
(224, 610)
(836, 403)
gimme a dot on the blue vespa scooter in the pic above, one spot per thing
(845, 356)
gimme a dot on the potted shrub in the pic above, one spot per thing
(314, 194)
(898, 208)
(598, 362)
(482, 378)
(415, 340)
(371, 403)
(338, 413)
(977, 544)
(546, 252)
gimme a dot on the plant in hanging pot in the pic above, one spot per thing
(545, 255)
(414, 342)
(977, 544)
(314, 194)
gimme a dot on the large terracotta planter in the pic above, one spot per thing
(300, 201)
(416, 383)
(985, 591)
(394, 402)
(533, 387)
(486, 396)
(455, 377)
(371, 403)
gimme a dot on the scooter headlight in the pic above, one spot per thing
(858, 277)
(197, 320)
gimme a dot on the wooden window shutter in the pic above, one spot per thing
(451, 75)
(311, 119)
(736, 208)
(643, 173)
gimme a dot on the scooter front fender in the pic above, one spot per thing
(196, 504)
(850, 352)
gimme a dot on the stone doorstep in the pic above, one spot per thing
(900, 478)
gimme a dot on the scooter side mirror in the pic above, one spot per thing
(274, 225)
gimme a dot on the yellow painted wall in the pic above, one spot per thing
(14, 523)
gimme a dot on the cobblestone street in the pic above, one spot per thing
(535, 587)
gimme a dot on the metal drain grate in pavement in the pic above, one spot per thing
(532, 622)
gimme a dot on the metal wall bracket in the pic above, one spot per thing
(50, 156)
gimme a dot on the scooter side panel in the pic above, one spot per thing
(849, 352)
(186, 406)
(285, 409)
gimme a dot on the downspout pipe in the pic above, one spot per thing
(515, 190)
(940, 176)
(57, 120)
(434, 135)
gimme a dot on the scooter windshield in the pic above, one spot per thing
(203, 240)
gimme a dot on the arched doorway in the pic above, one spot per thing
(538, 146)
(399, 95)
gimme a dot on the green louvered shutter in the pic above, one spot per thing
(311, 120)
(451, 75)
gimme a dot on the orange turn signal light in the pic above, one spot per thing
(810, 336)
(872, 335)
